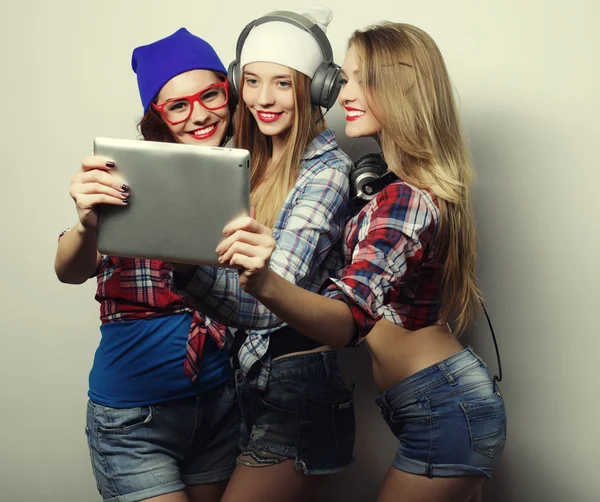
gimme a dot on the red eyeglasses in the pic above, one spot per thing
(178, 110)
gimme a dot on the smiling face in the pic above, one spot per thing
(360, 120)
(202, 127)
(269, 95)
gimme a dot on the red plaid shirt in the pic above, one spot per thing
(133, 289)
(391, 271)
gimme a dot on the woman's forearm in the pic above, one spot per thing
(77, 257)
(323, 319)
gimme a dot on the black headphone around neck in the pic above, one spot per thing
(368, 177)
(325, 84)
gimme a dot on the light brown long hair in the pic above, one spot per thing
(409, 92)
(268, 190)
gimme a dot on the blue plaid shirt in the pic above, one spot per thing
(306, 232)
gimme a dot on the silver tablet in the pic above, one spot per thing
(181, 198)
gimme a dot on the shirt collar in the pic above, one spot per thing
(321, 143)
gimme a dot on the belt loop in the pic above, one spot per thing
(326, 363)
(446, 372)
(383, 405)
(481, 361)
(429, 470)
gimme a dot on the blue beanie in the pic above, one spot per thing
(157, 63)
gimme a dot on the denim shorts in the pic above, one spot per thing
(306, 413)
(143, 452)
(449, 419)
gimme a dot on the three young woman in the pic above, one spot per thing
(409, 272)
(409, 265)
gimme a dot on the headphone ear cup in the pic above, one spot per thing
(374, 160)
(233, 77)
(367, 168)
(316, 86)
(333, 85)
(325, 85)
(358, 179)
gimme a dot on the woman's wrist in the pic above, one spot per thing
(80, 229)
(268, 289)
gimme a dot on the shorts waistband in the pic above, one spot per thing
(324, 362)
(446, 371)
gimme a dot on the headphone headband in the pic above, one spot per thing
(297, 20)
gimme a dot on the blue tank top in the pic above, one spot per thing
(139, 363)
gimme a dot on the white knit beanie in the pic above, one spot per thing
(285, 44)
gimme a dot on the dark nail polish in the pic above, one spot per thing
(126, 201)
(110, 163)
(124, 187)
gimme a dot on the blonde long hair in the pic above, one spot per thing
(409, 92)
(268, 191)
